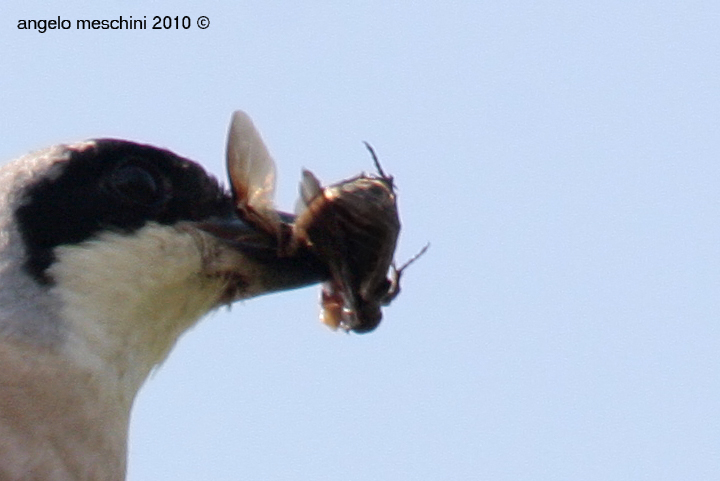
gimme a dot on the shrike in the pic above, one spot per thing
(109, 250)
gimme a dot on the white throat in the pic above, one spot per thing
(127, 298)
(123, 301)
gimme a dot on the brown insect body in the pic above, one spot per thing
(348, 230)
(354, 226)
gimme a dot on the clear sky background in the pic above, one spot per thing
(563, 158)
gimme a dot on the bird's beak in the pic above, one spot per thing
(255, 258)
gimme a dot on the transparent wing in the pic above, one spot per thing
(310, 189)
(252, 174)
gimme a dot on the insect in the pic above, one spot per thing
(351, 227)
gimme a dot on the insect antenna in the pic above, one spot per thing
(395, 274)
(411, 260)
(377, 163)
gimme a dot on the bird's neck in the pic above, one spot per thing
(58, 422)
(67, 384)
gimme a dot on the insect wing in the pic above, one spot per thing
(252, 174)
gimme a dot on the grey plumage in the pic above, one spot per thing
(25, 312)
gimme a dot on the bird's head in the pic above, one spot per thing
(117, 248)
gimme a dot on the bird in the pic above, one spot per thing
(109, 251)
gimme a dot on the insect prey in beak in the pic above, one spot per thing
(350, 227)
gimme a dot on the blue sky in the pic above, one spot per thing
(562, 159)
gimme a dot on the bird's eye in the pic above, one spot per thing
(137, 184)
